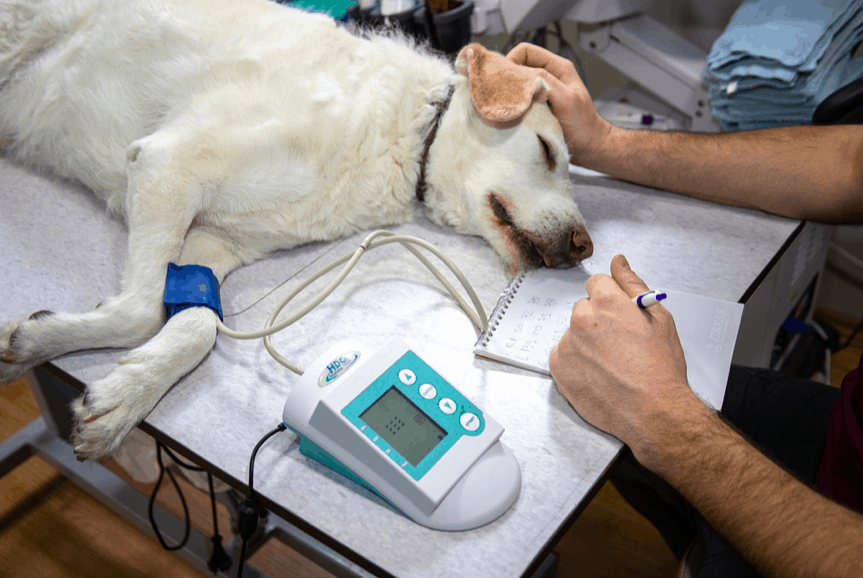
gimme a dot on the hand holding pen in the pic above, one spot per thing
(649, 298)
(622, 367)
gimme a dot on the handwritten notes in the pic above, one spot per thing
(534, 312)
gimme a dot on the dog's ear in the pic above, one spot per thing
(501, 90)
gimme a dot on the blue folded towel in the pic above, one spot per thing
(778, 59)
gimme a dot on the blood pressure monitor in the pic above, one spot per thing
(390, 422)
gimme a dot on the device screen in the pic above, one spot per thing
(403, 425)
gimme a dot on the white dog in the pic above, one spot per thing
(224, 130)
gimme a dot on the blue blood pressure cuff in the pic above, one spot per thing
(191, 286)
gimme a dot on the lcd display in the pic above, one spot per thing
(403, 425)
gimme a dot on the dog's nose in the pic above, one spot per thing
(581, 247)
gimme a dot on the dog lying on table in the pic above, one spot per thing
(224, 130)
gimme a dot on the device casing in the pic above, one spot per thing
(475, 481)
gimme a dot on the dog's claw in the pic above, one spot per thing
(8, 357)
(90, 419)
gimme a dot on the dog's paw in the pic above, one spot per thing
(97, 436)
(18, 351)
(109, 410)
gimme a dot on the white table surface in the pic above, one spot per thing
(62, 252)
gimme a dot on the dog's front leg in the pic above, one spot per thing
(162, 199)
(117, 403)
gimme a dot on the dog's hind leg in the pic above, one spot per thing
(162, 200)
(117, 403)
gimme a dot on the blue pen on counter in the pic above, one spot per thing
(649, 298)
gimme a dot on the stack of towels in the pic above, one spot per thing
(778, 59)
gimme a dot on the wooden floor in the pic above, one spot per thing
(51, 529)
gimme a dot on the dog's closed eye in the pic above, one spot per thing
(547, 153)
(499, 210)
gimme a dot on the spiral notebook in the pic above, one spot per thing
(534, 310)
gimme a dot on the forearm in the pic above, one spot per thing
(802, 172)
(782, 527)
(624, 371)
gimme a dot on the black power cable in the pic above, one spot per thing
(162, 470)
(250, 509)
(219, 558)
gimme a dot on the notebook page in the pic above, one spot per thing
(538, 314)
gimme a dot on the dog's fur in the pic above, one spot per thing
(223, 130)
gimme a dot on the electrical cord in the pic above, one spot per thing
(219, 559)
(372, 241)
(151, 504)
(250, 509)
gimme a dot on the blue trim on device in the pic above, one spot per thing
(191, 286)
(317, 453)
(450, 423)
(312, 450)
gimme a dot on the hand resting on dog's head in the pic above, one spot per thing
(568, 98)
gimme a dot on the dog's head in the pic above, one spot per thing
(499, 165)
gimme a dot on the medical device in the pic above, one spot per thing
(389, 421)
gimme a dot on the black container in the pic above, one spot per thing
(449, 31)
(405, 20)
(372, 18)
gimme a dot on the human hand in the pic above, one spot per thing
(623, 369)
(583, 128)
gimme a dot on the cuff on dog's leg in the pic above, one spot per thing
(191, 286)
